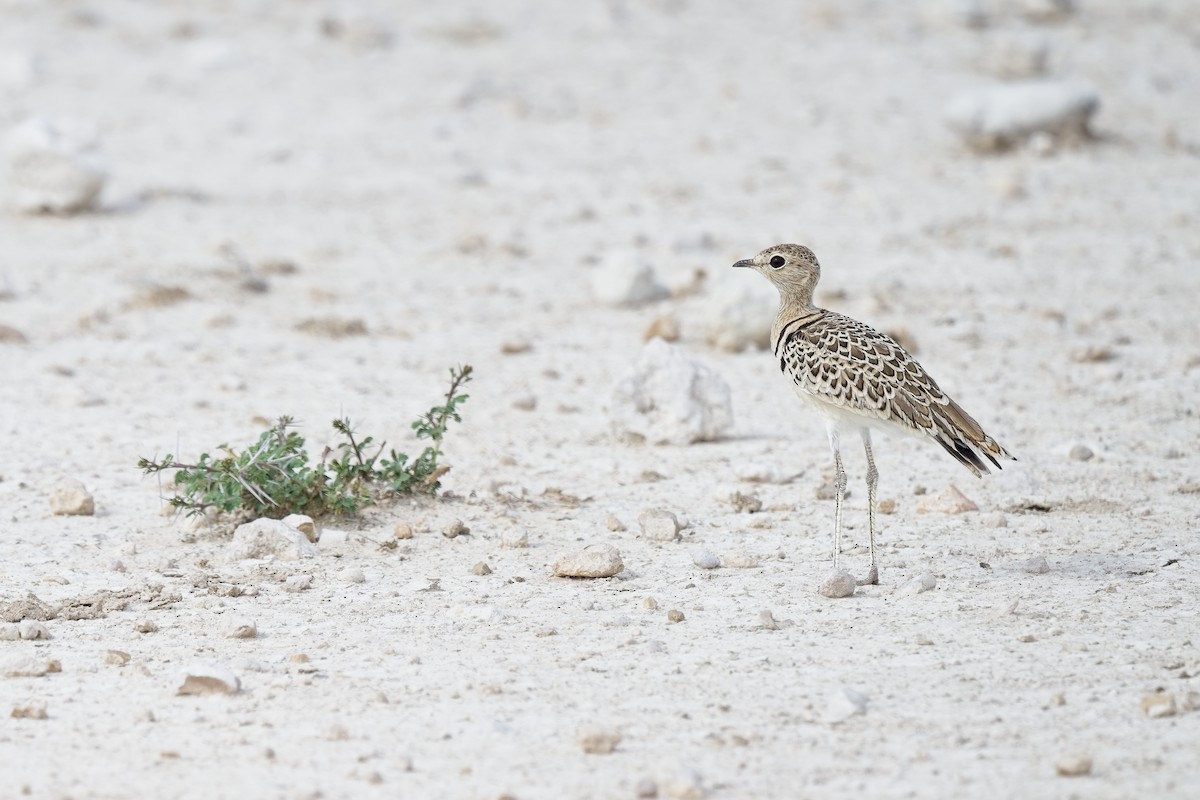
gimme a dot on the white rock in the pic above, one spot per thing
(514, 538)
(670, 398)
(205, 678)
(32, 629)
(242, 629)
(70, 498)
(624, 280)
(302, 523)
(593, 561)
(352, 575)
(1003, 116)
(925, 582)
(265, 537)
(29, 667)
(686, 784)
(1035, 565)
(843, 704)
(659, 525)
(9, 632)
(948, 501)
(297, 583)
(705, 559)
(739, 313)
(595, 740)
(52, 167)
(740, 558)
(838, 584)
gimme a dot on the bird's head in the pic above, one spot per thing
(793, 268)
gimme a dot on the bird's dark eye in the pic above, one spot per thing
(777, 262)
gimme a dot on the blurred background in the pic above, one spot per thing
(210, 205)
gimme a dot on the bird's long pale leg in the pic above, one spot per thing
(872, 484)
(839, 487)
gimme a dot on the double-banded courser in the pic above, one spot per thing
(858, 379)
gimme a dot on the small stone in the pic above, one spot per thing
(645, 789)
(243, 630)
(30, 629)
(337, 732)
(1190, 702)
(925, 582)
(839, 584)
(52, 166)
(738, 313)
(9, 633)
(34, 709)
(481, 569)
(599, 741)
(1159, 704)
(70, 498)
(302, 523)
(659, 525)
(886, 506)
(203, 678)
(1035, 565)
(117, 658)
(1058, 699)
(623, 281)
(513, 347)
(667, 397)
(29, 667)
(1072, 766)
(593, 561)
(145, 626)
(675, 615)
(297, 583)
(705, 559)
(767, 620)
(266, 538)
(650, 604)
(995, 520)
(615, 524)
(525, 403)
(402, 531)
(1026, 638)
(948, 501)
(1081, 452)
(739, 558)
(10, 335)
(686, 784)
(29, 607)
(352, 575)
(1005, 115)
(514, 538)
(455, 529)
(665, 327)
(843, 704)
(923, 640)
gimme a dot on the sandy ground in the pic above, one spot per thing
(450, 175)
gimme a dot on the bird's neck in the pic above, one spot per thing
(792, 306)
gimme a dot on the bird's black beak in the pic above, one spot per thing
(745, 262)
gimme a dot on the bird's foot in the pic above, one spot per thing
(872, 578)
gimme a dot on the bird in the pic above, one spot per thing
(858, 380)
